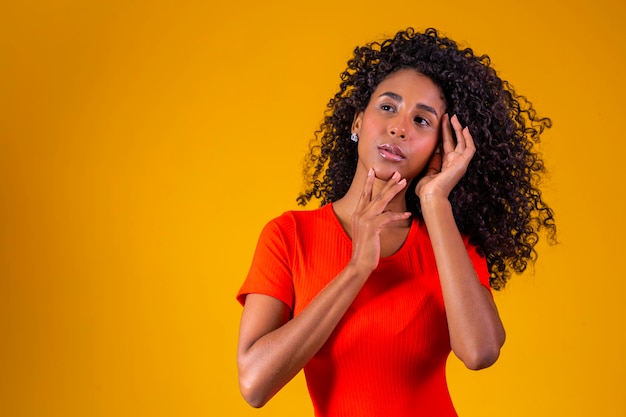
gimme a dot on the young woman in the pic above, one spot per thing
(428, 181)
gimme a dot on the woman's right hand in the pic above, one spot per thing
(272, 347)
(370, 217)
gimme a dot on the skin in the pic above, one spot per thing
(405, 115)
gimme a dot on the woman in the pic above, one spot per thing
(428, 182)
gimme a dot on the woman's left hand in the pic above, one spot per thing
(445, 170)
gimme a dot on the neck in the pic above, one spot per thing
(347, 204)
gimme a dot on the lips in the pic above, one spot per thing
(391, 152)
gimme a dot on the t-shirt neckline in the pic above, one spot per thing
(409, 237)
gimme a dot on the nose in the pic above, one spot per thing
(397, 130)
(398, 126)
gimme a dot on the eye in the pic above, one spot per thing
(421, 121)
(387, 107)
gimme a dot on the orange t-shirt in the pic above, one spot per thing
(388, 353)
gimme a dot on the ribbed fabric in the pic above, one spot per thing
(387, 355)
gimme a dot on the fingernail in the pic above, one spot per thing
(370, 172)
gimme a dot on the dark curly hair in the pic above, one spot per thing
(497, 203)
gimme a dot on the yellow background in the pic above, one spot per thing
(144, 144)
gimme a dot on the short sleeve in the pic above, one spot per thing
(480, 264)
(270, 271)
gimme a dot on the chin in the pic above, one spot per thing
(384, 173)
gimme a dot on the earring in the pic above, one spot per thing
(354, 137)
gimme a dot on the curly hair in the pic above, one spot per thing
(497, 203)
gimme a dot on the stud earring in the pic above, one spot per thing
(354, 137)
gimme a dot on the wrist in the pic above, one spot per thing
(434, 202)
(358, 271)
(435, 209)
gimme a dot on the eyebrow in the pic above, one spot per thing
(419, 105)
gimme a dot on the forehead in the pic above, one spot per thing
(411, 86)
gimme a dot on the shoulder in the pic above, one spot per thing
(291, 221)
(299, 228)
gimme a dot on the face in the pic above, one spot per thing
(399, 129)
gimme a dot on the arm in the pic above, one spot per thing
(273, 349)
(476, 332)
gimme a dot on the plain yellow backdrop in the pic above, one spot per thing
(143, 145)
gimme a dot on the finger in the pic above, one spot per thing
(447, 139)
(458, 130)
(391, 217)
(366, 194)
(393, 186)
(469, 140)
(434, 165)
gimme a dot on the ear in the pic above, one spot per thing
(356, 123)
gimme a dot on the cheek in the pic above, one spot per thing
(370, 125)
(423, 151)
(426, 145)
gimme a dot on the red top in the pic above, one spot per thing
(387, 355)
